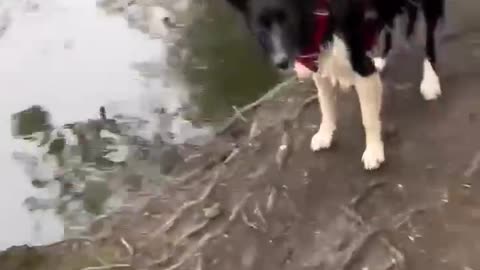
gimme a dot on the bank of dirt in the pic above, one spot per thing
(258, 198)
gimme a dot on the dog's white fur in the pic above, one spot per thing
(379, 63)
(335, 68)
(430, 86)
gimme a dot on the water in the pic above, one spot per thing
(70, 57)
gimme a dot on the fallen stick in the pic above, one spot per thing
(362, 196)
(127, 246)
(239, 113)
(107, 267)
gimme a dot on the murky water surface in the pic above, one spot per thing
(68, 58)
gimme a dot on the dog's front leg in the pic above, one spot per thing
(369, 89)
(327, 103)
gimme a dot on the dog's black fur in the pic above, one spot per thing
(294, 21)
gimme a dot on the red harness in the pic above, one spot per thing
(309, 55)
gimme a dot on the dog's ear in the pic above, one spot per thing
(239, 4)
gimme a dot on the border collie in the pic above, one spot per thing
(332, 40)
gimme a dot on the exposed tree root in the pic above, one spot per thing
(193, 230)
(171, 221)
(398, 258)
(194, 247)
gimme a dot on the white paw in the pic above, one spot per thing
(430, 89)
(373, 156)
(379, 63)
(322, 139)
(430, 86)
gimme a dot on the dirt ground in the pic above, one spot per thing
(247, 202)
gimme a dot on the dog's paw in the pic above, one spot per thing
(430, 86)
(379, 63)
(373, 156)
(322, 139)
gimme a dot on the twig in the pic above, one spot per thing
(188, 205)
(192, 231)
(233, 154)
(248, 222)
(254, 131)
(239, 113)
(194, 248)
(259, 213)
(362, 196)
(68, 240)
(127, 246)
(398, 257)
(401, 219)
(474, 165)
(269, 95)
(238, 206)
(284, 149)
(271, 199)
(100, 260)
(107, 267)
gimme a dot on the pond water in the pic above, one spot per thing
(70, 57)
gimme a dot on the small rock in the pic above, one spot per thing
(213, 211)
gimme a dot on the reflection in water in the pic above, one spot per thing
(71, 58)
(221, 61)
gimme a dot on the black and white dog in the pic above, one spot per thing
(332, 39)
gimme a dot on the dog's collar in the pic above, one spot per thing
(309, 55)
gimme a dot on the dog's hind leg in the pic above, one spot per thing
(327, 102)
(430, 86)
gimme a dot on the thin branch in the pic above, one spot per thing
(127, 246)
(107, 267)
(268, 96)
(362, 196)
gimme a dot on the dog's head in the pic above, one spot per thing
(278, 26)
